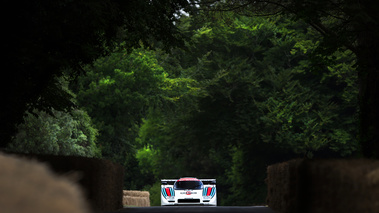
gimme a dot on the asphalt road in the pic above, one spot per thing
(189, 209)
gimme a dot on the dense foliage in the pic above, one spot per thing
(118, 91)
(261, 102)
(244, 94)
(46, 39)
(241, 93)
(344, 24)
(58, 134)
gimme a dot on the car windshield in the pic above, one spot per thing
(188, 185)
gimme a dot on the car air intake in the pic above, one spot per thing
(188, 200)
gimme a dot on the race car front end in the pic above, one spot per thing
(188, 191)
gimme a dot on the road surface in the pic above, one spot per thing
(190, 209)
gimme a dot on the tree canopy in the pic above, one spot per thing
(58, 134)
(222, 91)
(260, 101)
(46, 40)
(343, 24)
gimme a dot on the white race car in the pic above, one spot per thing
(188, 191)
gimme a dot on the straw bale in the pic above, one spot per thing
(101, 179)
(373, 177)
(282, 186)
(29, 186)
(318, 186)
(135, 193)
(340, 186)
(136, 201)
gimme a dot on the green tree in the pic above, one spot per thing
(59, 134)
(343, 24)
(259, 102)
(117, 92)
(44, 39)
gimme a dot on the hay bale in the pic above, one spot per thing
(340, 186)
(282, 185)
(102, 180)
(136, 201)
(134, 193)
(373, 177)
(318, 186)
(136, 198)
(29, 186)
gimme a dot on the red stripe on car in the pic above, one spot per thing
(188, 179)
(168, 191)
(209, 190)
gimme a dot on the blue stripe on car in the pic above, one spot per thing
(164, 192)
(213, 192)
